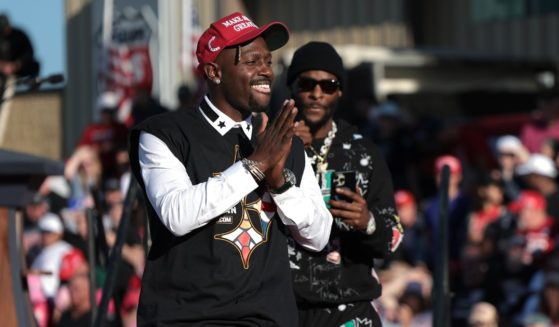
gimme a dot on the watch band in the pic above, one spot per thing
(290, 180)
(286, 186)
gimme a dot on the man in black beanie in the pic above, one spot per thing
(336, 287)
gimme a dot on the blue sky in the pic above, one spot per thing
(43, 21)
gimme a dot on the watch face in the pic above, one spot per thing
(289, 176)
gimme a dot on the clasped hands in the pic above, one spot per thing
(274, 143)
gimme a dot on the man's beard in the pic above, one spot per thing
(316, 125)
(254, 106)
(329, 113)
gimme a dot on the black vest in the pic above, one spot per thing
(231, 270)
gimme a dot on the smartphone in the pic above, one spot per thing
(346, 179)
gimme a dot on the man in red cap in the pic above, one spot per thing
(224, 189)
(459, 205)
(534, 224)
(412, 249)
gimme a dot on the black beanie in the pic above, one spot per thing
(316, 56)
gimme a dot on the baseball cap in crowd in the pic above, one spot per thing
(452, 162)
(531, 199)
(236, 29)
(509, 144)
(50, 223)
(107, 101)
(538, 164)
(403, 197)
(71, 262)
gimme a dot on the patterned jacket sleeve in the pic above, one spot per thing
(380, 199)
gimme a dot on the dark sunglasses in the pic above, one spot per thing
(328, 86)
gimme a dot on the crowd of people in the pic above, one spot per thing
(502, 226)
(260, 196)
(88, 197)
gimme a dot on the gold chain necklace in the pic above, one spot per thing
(318, 160)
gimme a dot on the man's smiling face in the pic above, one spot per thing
(246, 83)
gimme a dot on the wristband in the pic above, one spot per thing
(252, 167)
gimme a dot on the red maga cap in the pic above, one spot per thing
(237, 29)
(452, 162)
(528, 199)
(70, 263)
(403, 197)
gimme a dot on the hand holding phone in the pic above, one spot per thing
(345, 179)
(349, 208)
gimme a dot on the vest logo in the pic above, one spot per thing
(225, 220)
(227, 217)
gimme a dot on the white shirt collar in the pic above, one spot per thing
(223, 123)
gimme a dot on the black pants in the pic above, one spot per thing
(360, 314)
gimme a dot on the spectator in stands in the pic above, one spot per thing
(475, 253)
(107, 135)
(79, 310)
(544, 124)
(526, 254)
(539, 173)
(405, 296)
(458, 208)
(412, 249)
(84, 172)
(53, 250)
(72, 264)
(510, 153)
(489, 206)
(413, 311)
(34, 211)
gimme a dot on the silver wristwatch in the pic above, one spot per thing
(290, 180)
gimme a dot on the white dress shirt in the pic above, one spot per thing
(184, 207)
